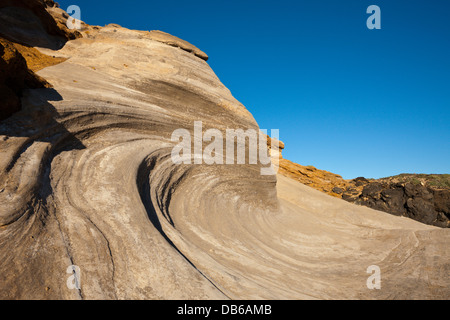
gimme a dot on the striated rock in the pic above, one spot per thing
(87, 183)
(35, 59)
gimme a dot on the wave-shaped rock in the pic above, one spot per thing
(87, 183)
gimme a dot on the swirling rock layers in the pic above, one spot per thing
(87, 180)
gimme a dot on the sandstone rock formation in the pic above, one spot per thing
(87, 183)
(177, 42)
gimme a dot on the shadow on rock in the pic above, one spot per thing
(39, 122)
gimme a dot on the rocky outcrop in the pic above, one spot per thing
(14, 77)
(330, 183)
(88, 185)
(425, 198)
(426, 204)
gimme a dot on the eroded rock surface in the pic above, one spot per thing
(87, 180)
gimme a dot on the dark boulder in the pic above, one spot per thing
(415, 201)
(394, 200)
(337, 190)
(372, 190)
(442, 202)
(360, 181)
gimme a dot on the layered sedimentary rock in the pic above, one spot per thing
(87, 183)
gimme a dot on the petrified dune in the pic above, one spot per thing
(86, 179)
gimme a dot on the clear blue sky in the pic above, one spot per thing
(346, 99)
